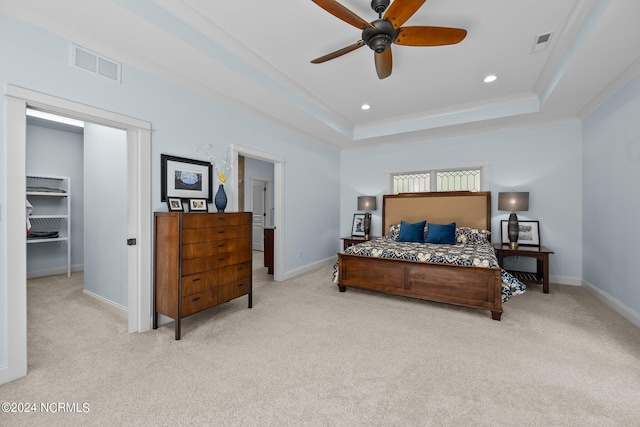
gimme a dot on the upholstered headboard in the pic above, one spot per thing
(466, 209)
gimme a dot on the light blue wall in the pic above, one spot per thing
(57, 152)
(182, 121)
(611, 199)
(543, 161)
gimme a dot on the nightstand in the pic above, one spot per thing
(538, 252)
(353, 240)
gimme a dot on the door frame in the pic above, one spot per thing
(138, 214)
(278, 199)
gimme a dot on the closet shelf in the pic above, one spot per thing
(51, 201)
(56, 239)
(47, 193)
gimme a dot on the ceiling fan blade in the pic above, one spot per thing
(401, 10)
(384, 63)
(429, 36)
(341, 12)
(338, 52)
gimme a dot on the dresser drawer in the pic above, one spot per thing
(197, 265)
(202, 220)
(234, 273)
(194, 235)
(233, 290)
(197, 302)
(199, 282)
(199, 250)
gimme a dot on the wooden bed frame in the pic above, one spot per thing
(475, 287)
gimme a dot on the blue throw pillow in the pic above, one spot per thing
(411, 232)
(441, 233)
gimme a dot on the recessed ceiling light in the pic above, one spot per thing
(490, 78)
(365, 106)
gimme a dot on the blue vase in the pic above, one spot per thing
(221, 199)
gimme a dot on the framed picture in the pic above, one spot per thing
(185, 178)
(175, 204)
(529, 234)
(357, 228)
(198, 205)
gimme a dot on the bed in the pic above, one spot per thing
(465, 273)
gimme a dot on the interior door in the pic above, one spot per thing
(258, 206)
(105, 196)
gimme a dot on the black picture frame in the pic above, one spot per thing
(529, 233)
(175, 204)
(198, 205)
(185, 178)
(357, 227)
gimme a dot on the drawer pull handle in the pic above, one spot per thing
(220, 259)
(196, 280)
(240, 285)
(240, 268)
(195, 299)
(221, 232)
(221, 245)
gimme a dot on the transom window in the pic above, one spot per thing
(443, 180)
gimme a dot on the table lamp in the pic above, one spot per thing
(367, 204)
(513, 202)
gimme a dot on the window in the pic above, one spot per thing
(468, 179)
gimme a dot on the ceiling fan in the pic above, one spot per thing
(381, 33)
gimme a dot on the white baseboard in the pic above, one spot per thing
(310, 267)
(53, 271)
(110, 306)
(564, 280)
(612, 302)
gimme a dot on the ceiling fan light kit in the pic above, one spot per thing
(380, 34)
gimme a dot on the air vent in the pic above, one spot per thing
(95, 63)
(542, 41)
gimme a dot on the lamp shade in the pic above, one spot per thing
(513, 201)
(366, 203)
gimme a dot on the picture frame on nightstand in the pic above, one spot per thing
(357, 228)
(529, 233)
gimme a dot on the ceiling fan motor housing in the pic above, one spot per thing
(381, 36)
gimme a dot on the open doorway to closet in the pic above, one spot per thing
(82, 226)
(138, 196)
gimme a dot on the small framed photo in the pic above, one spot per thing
(198, 205)
(529, 234)
(175, 204)
(357, 228)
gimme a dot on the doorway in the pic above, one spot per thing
(259, 209)
(277, 213)
(138, 214)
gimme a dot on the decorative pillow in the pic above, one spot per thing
(394, 229)
(471, 235)
(411, 232)
(441, 233)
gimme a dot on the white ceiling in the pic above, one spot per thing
(256, 55)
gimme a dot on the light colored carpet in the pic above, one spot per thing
(306, 354)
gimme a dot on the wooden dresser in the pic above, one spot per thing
(201, 260)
